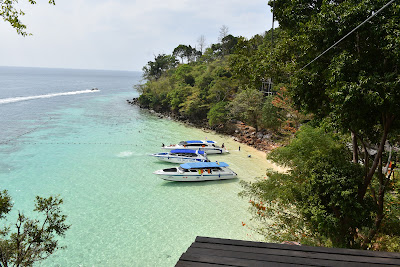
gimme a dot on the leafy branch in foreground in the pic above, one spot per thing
(32, 240)
(11, 14)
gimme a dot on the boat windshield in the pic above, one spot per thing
(170, 170)
(182, 169)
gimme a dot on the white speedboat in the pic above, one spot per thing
(197, 171)
(182, 156)
(209, 147)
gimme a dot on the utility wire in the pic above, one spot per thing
(362, 23)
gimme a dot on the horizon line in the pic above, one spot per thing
(66, 68)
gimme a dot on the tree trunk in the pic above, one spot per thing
(387, 123)
(355, 147)
(379, 214)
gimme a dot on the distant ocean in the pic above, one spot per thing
(57, 136)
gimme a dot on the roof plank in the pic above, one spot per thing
(293, 253)
(207, 252)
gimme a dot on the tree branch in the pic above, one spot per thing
(387, 123)
(355, 147)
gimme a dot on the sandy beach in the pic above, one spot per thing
(248, 162)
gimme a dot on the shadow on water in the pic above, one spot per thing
(198, 183)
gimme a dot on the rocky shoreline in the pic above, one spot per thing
(240, 132)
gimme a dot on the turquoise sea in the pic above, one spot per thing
(90, 147)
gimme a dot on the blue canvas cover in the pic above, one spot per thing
(191, 151)
(198, 142)
(203, 165)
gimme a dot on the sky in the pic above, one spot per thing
(122, 34)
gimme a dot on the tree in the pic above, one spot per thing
(218, 114)
(190, 53)
(222, 89)
(201, 42)
(32, 240)
(223, 32)
(315, 200)
(228, 44)
(290, 118)
(272, 116)
(180, 51)
(256, 59)
(154, 69)
(247, 106)
(353, 86)
(185, 51)
(216, 50)
(11, 14)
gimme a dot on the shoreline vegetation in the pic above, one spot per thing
(239, 131)
(328, 114)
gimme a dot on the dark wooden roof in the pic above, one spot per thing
(212, 252)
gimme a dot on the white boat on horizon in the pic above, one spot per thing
(182, 156)
(209, 147)
(197, 171)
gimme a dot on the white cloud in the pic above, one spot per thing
(123, 34)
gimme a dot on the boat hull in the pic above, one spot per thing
(197, 178)
(179, 159)
(208, 150)
(182, 156)
(171, 175)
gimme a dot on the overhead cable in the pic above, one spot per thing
(362, 23)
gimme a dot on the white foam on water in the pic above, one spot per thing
(125, 154)
(26, 98)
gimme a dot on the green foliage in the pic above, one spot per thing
(218, 114)
(154, 69)
(5, 203)
(361, 71)
(33, 240)
(188, 52)
(271, 116)
(247, 106)
(216, 76)
(222, 89)
(12, 15)
(209, 55)
(355, 86)
(257, 58)
(315, 201)
(193, 107)
(228, 44)
(180, 51)
(177, 97)
(190, 89)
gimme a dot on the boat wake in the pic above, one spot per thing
(125, 154)
(25, 98)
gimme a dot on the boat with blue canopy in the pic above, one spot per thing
(203, 145)
(197, 171)
(182, 156)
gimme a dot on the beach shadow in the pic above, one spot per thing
(198, 183)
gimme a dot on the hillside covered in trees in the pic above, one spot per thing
(222, 85)
(334, 66)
